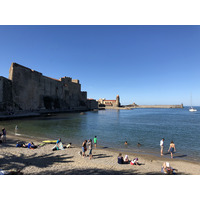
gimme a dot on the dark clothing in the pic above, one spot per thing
(120, 160)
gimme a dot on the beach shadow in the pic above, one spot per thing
(101, 156)
(22, 161)
(181, 156)
(90, 171)
(96, 171)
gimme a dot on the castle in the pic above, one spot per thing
(112, 103)
(29, 90)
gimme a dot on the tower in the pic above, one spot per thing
(117, 101)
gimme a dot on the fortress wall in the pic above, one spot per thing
(32, 91)
(26, 84)
(6, 102)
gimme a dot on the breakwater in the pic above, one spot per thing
(155, 106)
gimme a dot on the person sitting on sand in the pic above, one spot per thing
(126, 160)
(120, 159)
(58, 146)
(167, 169)
(69, 145)
(134, 161)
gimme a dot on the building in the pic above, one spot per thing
(29, 90)
(112, 103)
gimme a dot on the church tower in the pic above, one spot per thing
(117, 101)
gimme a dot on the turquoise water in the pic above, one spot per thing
(114, 127)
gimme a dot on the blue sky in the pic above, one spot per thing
(143, 64)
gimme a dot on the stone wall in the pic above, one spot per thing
(6, 103)
(32, 91)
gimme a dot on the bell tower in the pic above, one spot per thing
(117, 101)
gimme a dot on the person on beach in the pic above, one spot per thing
(161, 146)
(57, 143)
(16, 129)
(126, 160)
(3, 135)
(95, 141)
(120, 159)
(167, 169)
(172, 148)
(90, 148)
(69, 145)
(84, 148)
(58, 146)
(125, 142)
(134, 161)
(31, 145)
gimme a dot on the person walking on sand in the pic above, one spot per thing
(95, 141)
(172, 148)
(161, 146)
(84, 148)
(90, 148)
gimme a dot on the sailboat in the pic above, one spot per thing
(192, 109)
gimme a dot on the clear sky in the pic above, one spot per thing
(143, 64)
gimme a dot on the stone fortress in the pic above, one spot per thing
(29, 90)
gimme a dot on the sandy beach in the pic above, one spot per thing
(44, 161)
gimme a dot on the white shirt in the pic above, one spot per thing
(161, 143)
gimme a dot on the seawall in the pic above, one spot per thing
(159, 106)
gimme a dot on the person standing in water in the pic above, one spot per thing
(161, 146)
(95, 141)
(16, 129)
(172, 148)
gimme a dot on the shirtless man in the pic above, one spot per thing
(172, 148)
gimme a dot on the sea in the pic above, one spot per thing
(146, 126)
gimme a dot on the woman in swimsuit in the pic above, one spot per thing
(172, 148)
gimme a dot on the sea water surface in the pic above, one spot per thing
(114, 127)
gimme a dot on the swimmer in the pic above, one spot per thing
(125, 142)
(138, 144)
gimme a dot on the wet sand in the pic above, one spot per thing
(44, 161)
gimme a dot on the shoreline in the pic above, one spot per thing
(45, 161)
